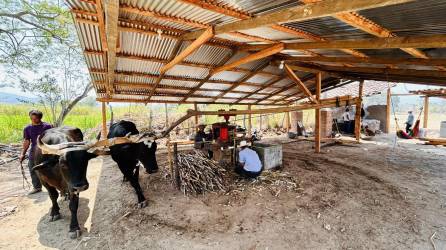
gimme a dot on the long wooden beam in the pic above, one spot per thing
(428, 41)
(300, 13)
(111, 27)
(271, 50)
(203, 38)
(299, 83)
(388, 71)
(373, 60)
(145, 101)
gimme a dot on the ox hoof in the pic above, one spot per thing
(55, 217)
(142, 204)
(75, 234)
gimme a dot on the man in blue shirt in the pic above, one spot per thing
(249, 164)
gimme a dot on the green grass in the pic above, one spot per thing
(13, 118)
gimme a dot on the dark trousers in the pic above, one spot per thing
(247, 174)
(34, 178)
(408, 126)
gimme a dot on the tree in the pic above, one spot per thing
(28, 28)
(39, 37)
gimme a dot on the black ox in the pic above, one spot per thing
(128, 156)
(63, 171)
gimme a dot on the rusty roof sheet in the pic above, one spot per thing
(142, 52)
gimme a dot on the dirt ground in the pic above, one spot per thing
(377, 195)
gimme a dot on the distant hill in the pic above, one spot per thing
(13, 98)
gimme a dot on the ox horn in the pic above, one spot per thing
(59, 149)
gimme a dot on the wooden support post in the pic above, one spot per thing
(287, 121)
(358, 112)
(317, 126)
(388, 105)
(249, 123)
(104, 121)
(426, 111)
(176, 176)
(196, 117)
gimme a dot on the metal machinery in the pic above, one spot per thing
(223, 140)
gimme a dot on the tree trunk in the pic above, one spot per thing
(65, 110)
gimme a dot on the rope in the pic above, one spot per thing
(24, 179)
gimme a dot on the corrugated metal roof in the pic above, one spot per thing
(422, 17)
(131, 65)
(179, 9)
(330, 28)
(138, 44)
(416, 18)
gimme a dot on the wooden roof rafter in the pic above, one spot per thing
(372, 60)
(270, 50)
(299, 83)
(111, 28)
(429, 41)
(285, 88)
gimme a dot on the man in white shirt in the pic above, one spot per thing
(249, 165)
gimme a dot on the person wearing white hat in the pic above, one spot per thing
(249, 164)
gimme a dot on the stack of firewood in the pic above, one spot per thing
(9, 153)
(196, 174)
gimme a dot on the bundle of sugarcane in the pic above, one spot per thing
(197, 174)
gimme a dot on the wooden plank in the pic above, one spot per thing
(271, 50)
(300, 13)
(299, 83)
(373, 60)
(104, 121)
(287, 121)
(317, 127)
(145, 101)
(426, 111)
(203, 38)
(111, 28)
(358, 112)
(427, 41)
(388, 106)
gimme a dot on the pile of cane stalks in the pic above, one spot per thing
(197, 174)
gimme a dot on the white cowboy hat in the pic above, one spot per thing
(243, 144)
